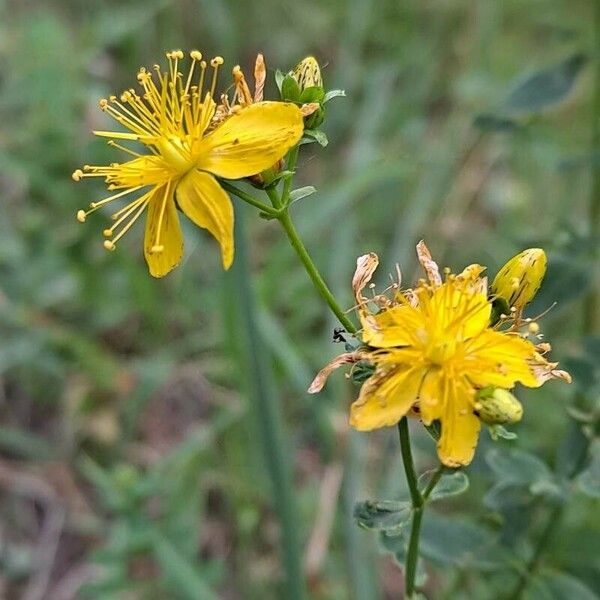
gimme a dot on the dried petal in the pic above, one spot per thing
(309, 109)
(260, 75)
(430, 266)
(322, 376)
(365, 267)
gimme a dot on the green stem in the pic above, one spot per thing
(591, 321)
(274, 198)
(412, 555)
(407, 459)
(232, 189)
(313, 272)
(418, 504)
(291, 166)
(269, 419)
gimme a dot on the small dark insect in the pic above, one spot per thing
(338, 338)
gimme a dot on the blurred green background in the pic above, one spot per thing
(131, 461)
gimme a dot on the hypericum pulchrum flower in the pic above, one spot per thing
(434, 350)
(185, 146)
(520, 278)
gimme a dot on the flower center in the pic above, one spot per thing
(175, 155)
(439, 354)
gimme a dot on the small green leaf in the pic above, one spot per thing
(290, 90)
(502, 496)
(333, 94)
(588, 480)
(547, 87)
(281, 176)
(450, 484)
(317, 135)
(312, 94)
(557, 586)
(279, 76)
(456, 541)
(493, 123)
(517, 466)
(522, 471)
(302, 192)
(362, 371)
(386, 515)
(498, 431)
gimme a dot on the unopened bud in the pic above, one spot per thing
(307, 73)
(520, 278)
(496, 406)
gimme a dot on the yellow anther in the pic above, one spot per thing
(112, 98)
(107, 233)
(81, 216)
(157, 249)
(143, 76)
(103, 103)
(77, 175)
(196, 55)
(109, 245)
(533, 328)
(216, 61)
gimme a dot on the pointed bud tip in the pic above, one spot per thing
(520, 278)
(307, 73)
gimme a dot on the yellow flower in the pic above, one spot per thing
(520, 278)
(433, 349)
(187, 147)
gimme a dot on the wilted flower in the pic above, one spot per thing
(188, 145)
(433, 350)
(518, 281)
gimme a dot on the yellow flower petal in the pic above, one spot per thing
(430, 396)
(170, 238)
(456, 311)
(252, 140)
(460, 427)
(203, 201)
(395, 326)
(501, 360)
(385, 399)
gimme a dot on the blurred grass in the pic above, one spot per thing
(101, 365)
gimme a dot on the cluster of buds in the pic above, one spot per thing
(514, 286)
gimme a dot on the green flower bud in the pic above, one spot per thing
(307, 73)
(496, 406)
(520, 278)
